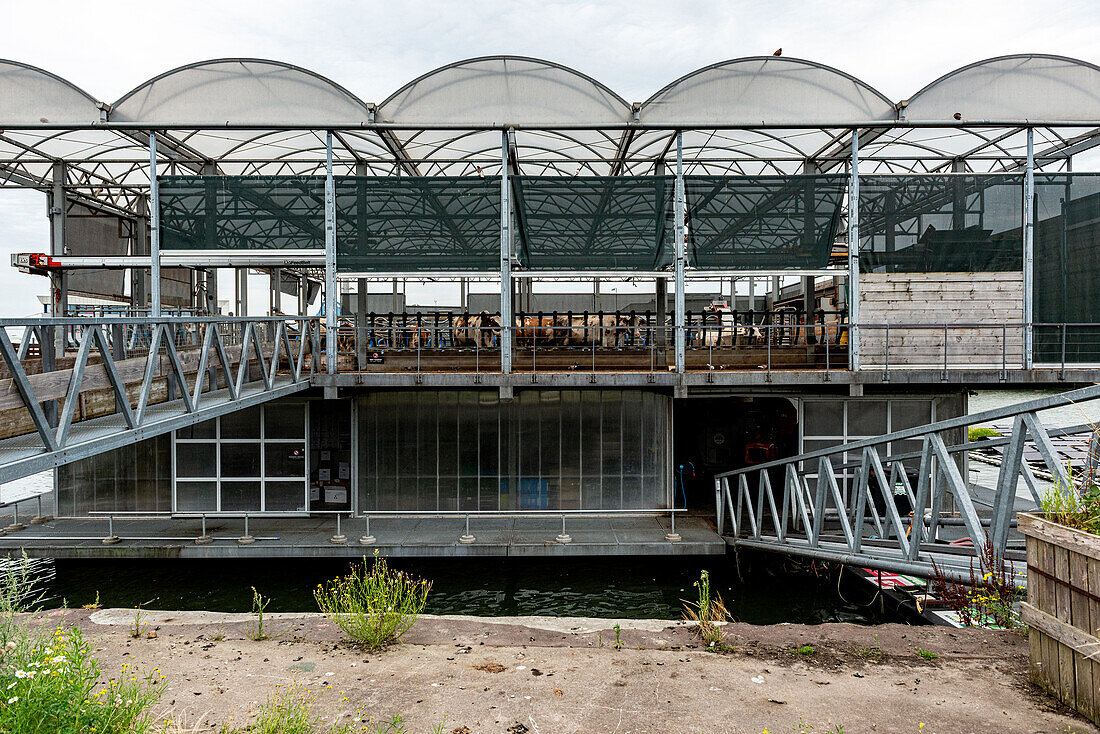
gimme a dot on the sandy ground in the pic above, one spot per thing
(543, 675)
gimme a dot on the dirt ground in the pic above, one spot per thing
(543, 675)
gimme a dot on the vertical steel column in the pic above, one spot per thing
(681, 301)
(332, 298)
(154, 228)
(505, 260)
(59, 280)
(1029, 251)
(139, 246)
(853, 257)
(276, 291)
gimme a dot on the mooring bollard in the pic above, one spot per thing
(111, 538)
(204, 538)
(672, 536)
(467, 538)
(246, 539)
(339, 538)
(367, 538)
(564, 537)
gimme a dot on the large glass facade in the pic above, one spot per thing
(132, 478)
(430, 450)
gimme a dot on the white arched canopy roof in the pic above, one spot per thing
(1022, 88)
(500, 90)
(30, 95)
(766, 89)
(240, 92)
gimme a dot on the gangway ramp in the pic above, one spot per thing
(913, 512)
(187, 370)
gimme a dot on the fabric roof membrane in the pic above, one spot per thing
(498, 90)
(31, 95)
(240, 91)
(1032, 87)
(766, 89)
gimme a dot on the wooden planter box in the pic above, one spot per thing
(1062, 612)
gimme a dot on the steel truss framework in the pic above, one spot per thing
(513, 117)
(745, 116)
(827, 509)
(163, 373)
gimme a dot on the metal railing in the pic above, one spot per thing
(341, 516)
(877, 512)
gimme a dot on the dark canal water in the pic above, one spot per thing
(767, 592)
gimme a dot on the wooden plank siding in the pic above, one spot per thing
(985, 299)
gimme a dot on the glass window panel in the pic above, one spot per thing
(285, 460)
(284, 496)
(206, 429)
(241, 424)
(196, 460)
(196, 496)
(240, 460)
(823, 417)
(284, 420)
(866, 418)
(240, 496)
(909, 414)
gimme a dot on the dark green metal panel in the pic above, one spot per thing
(594, 222)
(756, 222)
(412, 224)
(928, 223)
(242, 212)
(1067, 266)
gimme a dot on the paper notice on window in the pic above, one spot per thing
(324, 475)
(344, 471)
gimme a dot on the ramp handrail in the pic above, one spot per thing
(258, 358)
(865, 524)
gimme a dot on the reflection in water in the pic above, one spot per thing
(637, 588)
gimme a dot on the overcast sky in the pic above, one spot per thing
(633, 46)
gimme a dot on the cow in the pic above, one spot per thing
(533, 330)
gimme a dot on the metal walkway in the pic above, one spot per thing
(189, 370)
(858, 504)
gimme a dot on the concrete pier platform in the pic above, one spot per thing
(394, 536)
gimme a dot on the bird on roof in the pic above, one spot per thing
(778, 51)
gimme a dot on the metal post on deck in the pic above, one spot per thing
(111, 538)
(247, 538)
(1029, 251)
(339, 538)
(564, 537)
(205, 537)
(467, 538)
(681, 301)
(853, 257)
(366, 538)
(505, 264)
(332, 298)
(154, 229)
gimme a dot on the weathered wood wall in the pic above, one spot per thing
(1062, 612)
(987, 299)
